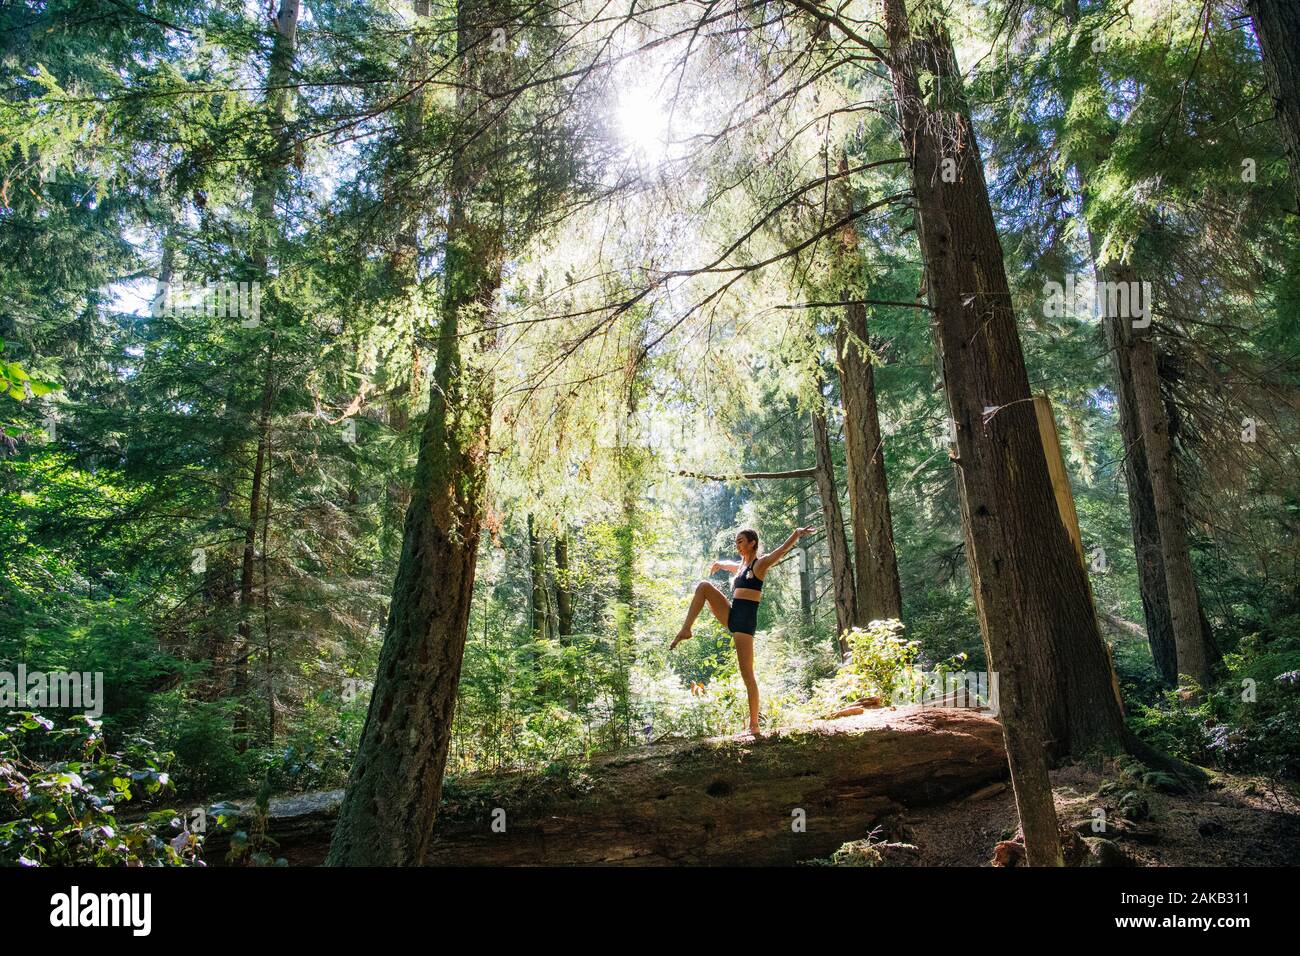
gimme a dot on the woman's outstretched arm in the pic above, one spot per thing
(731, 567)
(769, 559)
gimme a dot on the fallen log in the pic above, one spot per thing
(791, 796)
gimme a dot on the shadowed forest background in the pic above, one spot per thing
(550, 300)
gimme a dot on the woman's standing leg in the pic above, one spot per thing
(745, 656)
(705, 593)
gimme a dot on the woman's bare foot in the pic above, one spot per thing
(682, 635)
(752, 732)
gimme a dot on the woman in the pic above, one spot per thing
(740, 616)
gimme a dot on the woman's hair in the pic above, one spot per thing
(751, 535)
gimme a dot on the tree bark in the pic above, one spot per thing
(1031, 591)
(1147, 547)
(563, 588)
(1193, 657)
(705, 802)
(267, 640)
(1277, 27)
(244, 647)
(802, 517)
(396, 781)
(875, 565)
(1177, 631)
(1142, 509)
(1030, 585)
(540, 603)
(625, 593)
(846, 611)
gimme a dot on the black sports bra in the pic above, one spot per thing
(746, 579)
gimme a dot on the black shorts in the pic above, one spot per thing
(743, 618)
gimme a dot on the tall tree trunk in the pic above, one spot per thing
(283, 51)
(625, 594)
(1147, 547)
(1142, 507)
(278, 75)
(806, 569)
(244, 647)
(875, 565)
(1031, 590)
(1176, 627)
(1193, 654)
(540, 603)
(846, 609)
(1277, 26)
(396, 782)
(563, 588)
(267, 642)
(1030, 585)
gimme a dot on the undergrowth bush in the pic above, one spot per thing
(1249, 719)
(60, 793)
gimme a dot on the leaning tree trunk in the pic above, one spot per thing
(1277, 26)
(846, 612)
(1031, 590)
(875, 565)
(396, 781)
(1031, 587)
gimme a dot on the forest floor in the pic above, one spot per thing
(1237, 821)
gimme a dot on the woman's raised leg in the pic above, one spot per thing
(745, 657)
(705, 593)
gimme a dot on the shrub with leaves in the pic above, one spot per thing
(60, 793)
(878, 663)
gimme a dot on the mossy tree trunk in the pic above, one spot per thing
(396, 781)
